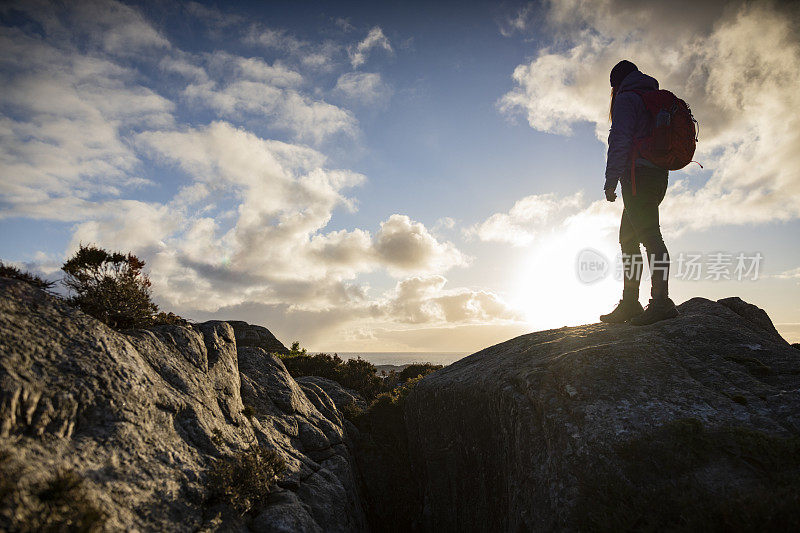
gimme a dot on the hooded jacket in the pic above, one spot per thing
(629, 121)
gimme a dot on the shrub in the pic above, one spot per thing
(356, 374)
(67, 506)
(351, 411)
(10, 271)
(418, 369)
(321, 364)
(244, 481)
(111, 287)
(170, 319)
(360, 375)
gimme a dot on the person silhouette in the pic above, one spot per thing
(630, 120)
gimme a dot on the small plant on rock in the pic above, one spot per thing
(243, 481)
(10, 271)
(296, 350)
(357, 374)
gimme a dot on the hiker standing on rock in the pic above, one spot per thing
(643, 185)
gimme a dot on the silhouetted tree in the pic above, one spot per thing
(110, 286)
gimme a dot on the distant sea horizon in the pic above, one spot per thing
(403, 358)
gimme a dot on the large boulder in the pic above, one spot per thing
(690, 423)
(99, 426)
(257, 337)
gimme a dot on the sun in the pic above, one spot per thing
(551, 292)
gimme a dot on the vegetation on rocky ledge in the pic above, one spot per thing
(244, 481)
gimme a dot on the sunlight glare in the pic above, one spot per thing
(550, 293)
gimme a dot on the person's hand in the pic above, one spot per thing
(611, 195)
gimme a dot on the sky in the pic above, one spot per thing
(409, 176)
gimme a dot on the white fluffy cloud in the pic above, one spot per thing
(418, 300)
(530, 215)
(374, 39)
(277, 246)
(738, 65)
(226, 219)
(237, 87)
(789, 274)
(65, 145)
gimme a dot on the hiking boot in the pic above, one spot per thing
(656, 311)
(625, 310)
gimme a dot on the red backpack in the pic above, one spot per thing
(672, 140)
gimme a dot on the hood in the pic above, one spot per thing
(638, 81)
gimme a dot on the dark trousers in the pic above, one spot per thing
(640, 224)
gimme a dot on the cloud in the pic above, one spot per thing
(65, 142)
(254, 69)
(344, 24)
(517, 23)
(323, 56)
(363, 87)
(418, 300)
(99, 25)
(238, 87)
(529, 215)
(212, 17)
(406, 246)
(374, 39)
(105, 125)
(789, 274)
(738, 65)
(276, 249)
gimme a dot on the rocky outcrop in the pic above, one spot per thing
(689, 422)
(136, 419)
(256, 337)
(341, 396)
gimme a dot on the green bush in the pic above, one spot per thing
(10, 271)
(351, 411)
(111, 287)
(356, 374)
(170, 319)
(244, 481)
(418, 369)
(360, 375)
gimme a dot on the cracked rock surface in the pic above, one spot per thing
(141, 415)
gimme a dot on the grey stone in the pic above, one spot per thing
(257, 337)
(141, 415)
(505, 439)
(340, 395)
